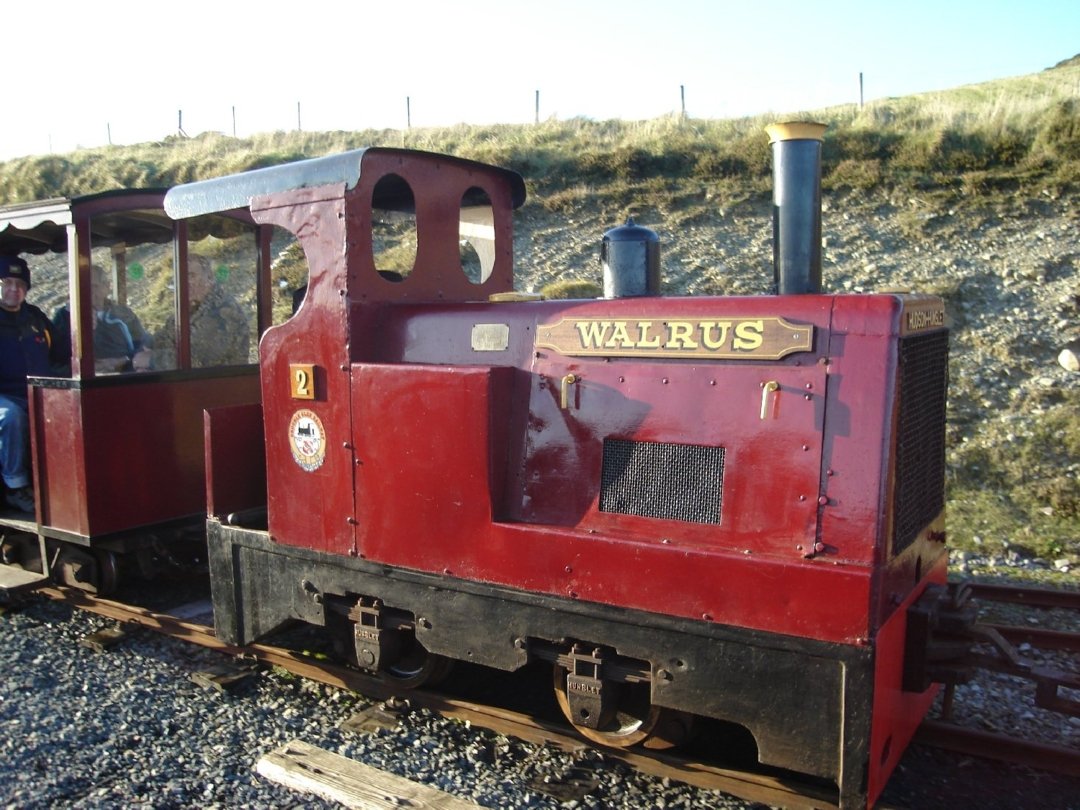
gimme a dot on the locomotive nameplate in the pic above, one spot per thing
(732, 338)
(490, 337)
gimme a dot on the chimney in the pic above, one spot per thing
(796, 148)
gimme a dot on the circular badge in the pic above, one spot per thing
(307, 440)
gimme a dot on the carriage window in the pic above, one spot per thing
(476, 235)
(222, 275)
(130, 288)
(393, 228)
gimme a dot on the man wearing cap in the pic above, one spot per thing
(26, 348)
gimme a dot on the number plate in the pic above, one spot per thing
(302, 380)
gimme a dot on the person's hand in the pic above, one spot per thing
(141, 360)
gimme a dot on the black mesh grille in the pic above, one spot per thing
(669, 481)
(920, 441)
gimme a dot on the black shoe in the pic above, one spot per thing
(21, 499)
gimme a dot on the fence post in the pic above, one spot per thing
(538, 106)
(408, 113)
(298, 127)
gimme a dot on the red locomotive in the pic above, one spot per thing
(715, 506)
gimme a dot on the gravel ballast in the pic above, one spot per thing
(128, 728)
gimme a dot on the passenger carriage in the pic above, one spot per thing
(117, 454)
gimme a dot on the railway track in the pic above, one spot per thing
(774, 789)
(778, 789)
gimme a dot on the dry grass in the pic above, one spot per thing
(1025, 126)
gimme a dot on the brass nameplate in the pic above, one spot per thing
(921, 316)
(490, 337)
(732, 338)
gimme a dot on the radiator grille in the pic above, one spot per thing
(657, 480)
(919, 493)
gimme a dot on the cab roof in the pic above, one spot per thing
(237, 190)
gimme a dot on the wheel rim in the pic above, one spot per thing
(108, 572)
(417, 667)
(633, 720)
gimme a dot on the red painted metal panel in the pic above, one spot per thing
(862, 381)
(431, 462)
(771, 469)
(59, 453)
(896, 714)
(438, 187)
(431, 454)
(310, 498)
(235, 459)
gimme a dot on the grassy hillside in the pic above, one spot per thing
(1003, 135)
(937, 175)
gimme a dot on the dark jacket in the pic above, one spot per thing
(26, 349)
(118, 334)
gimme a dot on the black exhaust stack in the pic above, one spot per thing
(796, 148)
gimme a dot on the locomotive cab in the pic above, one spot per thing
(720, 507)
(116, 433)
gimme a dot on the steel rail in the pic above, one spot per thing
(991, 745)
(1039, 637)
(1034, 597)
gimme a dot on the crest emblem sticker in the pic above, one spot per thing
(307, 439)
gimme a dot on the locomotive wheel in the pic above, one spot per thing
(634, 719)
(417, 667)
(108, 572)
(93, 572)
